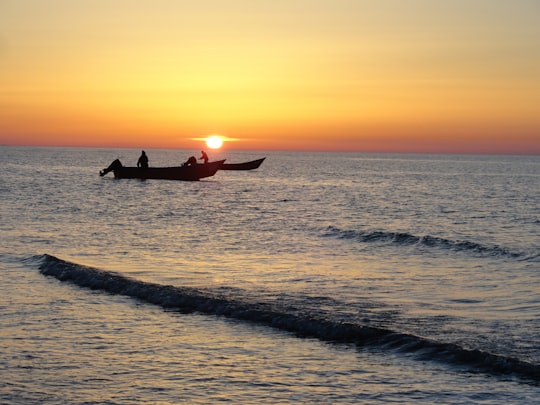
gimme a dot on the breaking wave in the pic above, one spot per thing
(187, 300)
(407, 239)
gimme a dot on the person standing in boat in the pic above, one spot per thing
(143, 161)
(204, 156)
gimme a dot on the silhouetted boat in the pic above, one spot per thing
(186, 172)
(242, 166)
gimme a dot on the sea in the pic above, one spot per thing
(318, 278)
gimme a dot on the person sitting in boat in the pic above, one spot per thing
(204, 156)
(143, 161)
(191, 161)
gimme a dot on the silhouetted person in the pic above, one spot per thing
(191, 161)
(143, 161)
(204, 156)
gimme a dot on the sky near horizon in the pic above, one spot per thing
(460, 76)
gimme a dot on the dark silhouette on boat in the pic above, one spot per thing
(242, 166)
(192, 172)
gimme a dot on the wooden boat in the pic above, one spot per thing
(191, 172)
(242, 166)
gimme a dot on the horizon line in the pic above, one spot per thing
(307, 150)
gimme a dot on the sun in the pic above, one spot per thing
(214, 142)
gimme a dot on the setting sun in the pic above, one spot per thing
(214, 142)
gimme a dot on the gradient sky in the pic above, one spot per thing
(358, 75)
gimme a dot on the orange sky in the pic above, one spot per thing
(358, 75)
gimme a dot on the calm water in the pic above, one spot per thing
(318, 278)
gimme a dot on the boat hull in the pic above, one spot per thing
(186, 173)
(254, 164)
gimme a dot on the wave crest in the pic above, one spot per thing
(407, 239)
(187, 299)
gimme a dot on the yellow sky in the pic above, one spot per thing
(362, 75)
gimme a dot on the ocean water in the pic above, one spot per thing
(317, 278)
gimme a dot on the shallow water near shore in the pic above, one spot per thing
(317, 278)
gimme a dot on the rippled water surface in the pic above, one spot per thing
(317, 278)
